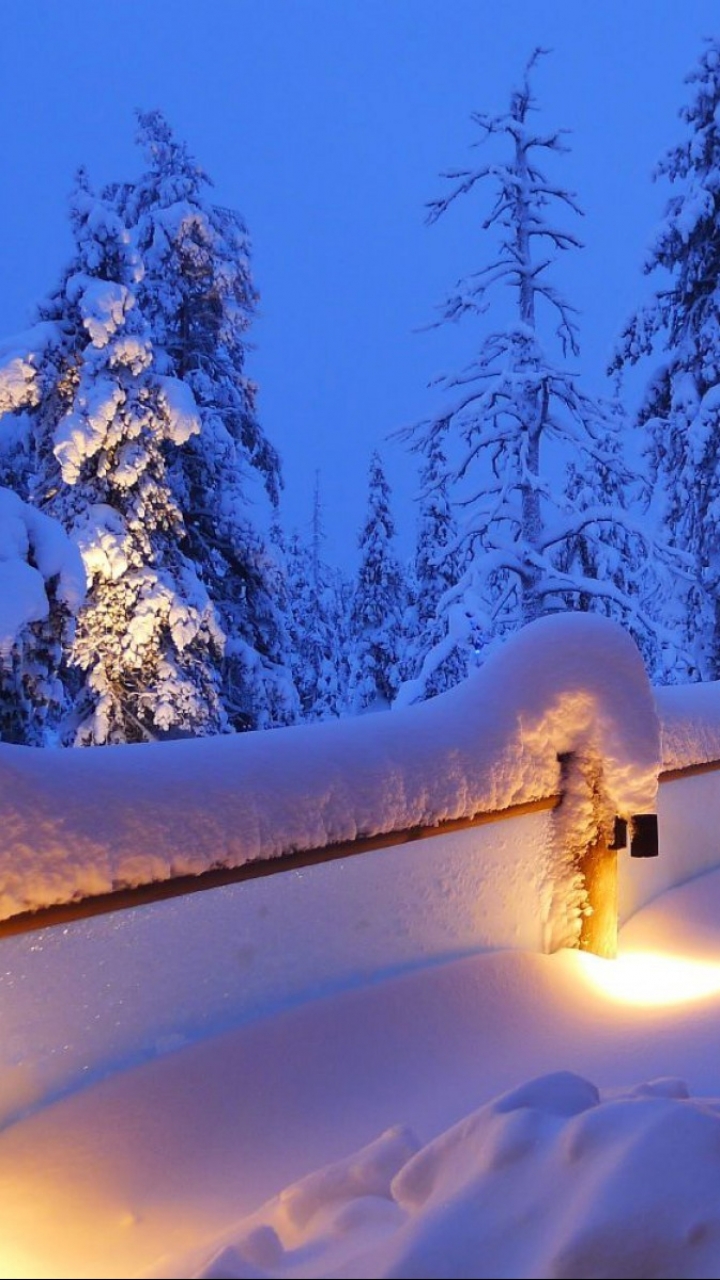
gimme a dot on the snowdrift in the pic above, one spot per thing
(617, 1185)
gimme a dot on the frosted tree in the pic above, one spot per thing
(103, 420)
(516, 411)
(439, 642)
(681, 408)
(619, 558)
(198, 296)
(42, 586)
(378, 604)
(258, 684)
(319, 623)
(314, 665)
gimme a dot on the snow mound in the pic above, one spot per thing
(82, 822)
(551, 1179)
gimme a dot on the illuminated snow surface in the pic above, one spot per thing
(507, 1115)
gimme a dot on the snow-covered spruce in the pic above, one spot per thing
(319, 609)
(516, 411)
(438, 645)
(143, 657)
(199, 298)
(142, 433)
(681, 408)
(378, 604)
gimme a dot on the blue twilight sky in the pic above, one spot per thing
(327, 123)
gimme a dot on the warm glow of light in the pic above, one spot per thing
(14, 1264)
(650, 978)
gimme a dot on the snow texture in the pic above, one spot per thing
(182, 411)
(402, 1129)
(690, 716)
(18, 366)
(86, 822)
(610, 1186)
(102, 304)
(34, 549)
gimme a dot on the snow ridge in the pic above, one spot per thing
(572, 683)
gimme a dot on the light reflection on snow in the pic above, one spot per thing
(650, 978)
(16, 1263)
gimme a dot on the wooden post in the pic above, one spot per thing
(599, 931)
(584, 808)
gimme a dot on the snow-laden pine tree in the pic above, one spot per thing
(517, 410)
(199, 299)
(680, 411)
(319, 611)
(316, 641)
(378, 604)
(619, 558)
(104, 421)
(438, 645)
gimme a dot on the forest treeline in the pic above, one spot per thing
(141, 597)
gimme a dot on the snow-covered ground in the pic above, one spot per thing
(508, 1114)
(338, 1072)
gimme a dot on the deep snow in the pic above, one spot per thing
(506, 1113)
(206, 1150)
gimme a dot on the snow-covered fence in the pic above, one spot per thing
(418, 793)
(82, 823)
(689, 796)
